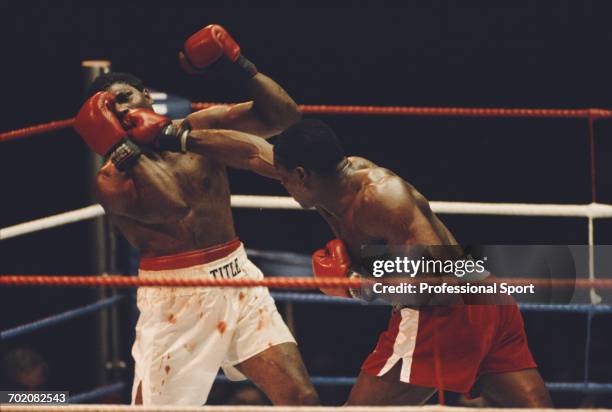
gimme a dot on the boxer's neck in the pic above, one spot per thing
(338, 190)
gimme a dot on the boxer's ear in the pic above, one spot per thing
(302, 174)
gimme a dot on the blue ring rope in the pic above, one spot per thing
(587, 347)
(60, 317)
(588, 387)
(528, 307)
(583, 387)
(287, 297)
(97, 393)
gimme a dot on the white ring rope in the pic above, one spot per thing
(593, 210)
(48, 222)
(590, 211)
(251, 408)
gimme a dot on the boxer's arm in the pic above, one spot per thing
(270, 111)
(144, 193)
(235, 149)
(273, 109)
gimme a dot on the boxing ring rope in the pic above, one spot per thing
(312, 298)
(416, 111)
(267, 282)
(252, 408)
(59, 318)
(97, 393)
(294, 297)
(317, 298)
(37, 129)
(590, 387)
(589, 113)
(48, 222)
(583, 387)
(590, 211)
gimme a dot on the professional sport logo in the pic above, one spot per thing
(418, 275)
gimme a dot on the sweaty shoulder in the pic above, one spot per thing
(384, 190)
(384, 204)
(361, 163)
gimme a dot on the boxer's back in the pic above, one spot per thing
(199, 184)
(380, 193)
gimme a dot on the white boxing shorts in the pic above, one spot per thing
(185, 334)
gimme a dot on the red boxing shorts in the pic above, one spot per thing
(473, 340)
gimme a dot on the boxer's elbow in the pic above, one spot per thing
(259, 165)
(294, 114)
(288, 116)
(274, 120)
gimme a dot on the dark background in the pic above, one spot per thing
(427, 53)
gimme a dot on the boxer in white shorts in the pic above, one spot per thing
(184, 335)
(175, 208)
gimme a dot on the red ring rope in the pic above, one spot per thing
(271, 282)
(592, 113)
(38, 129)
(131, 281)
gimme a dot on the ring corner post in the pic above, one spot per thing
(102, 242)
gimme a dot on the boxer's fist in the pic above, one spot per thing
(208, 46)
(332, 262)
(144, 125)
(125, 155)
(173, 138)
(97, 123)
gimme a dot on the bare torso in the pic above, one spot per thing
(374, 184)
(169, 202)
(202, 186)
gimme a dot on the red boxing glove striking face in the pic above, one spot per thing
(144, 125)
(332, 262)
(98, 124)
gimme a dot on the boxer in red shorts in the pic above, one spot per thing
(479, 347)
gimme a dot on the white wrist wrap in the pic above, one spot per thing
(183, 138)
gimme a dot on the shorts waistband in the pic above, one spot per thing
(191, 258)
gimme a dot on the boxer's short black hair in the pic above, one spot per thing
(310, 144)
(104, 81)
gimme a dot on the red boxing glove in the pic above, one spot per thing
(209, 45)
(97, 123)
(332, 262)
(144, 125)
